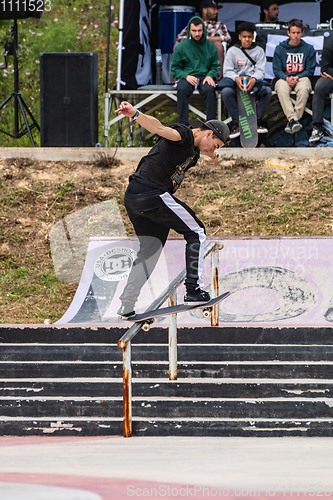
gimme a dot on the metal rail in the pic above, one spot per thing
(125, 341)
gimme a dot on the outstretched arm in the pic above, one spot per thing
(150, 123)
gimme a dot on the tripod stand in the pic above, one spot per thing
(19, 104)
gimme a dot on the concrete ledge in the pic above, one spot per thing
(267, 153)
(71, 154)
(135, 154)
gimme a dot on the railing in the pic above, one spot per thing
(158, 97)
(171, 293)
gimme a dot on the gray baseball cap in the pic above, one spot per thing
(220, 129)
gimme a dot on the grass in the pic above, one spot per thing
(22, 287)
(264, 204)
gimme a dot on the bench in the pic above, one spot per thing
(163, 98)
(149, 99)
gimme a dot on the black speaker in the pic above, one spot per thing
(68, 99)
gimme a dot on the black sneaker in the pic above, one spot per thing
(295, 126)
(316, 135)
(125, 311)
(197, 297)
(234, 132)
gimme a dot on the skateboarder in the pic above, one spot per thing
(152, 208)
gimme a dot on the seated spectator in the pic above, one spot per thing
(195, 62)
(324, 87)
(245, 59)
(294, 62)
(216, 31)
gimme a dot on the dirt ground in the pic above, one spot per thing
(234, 197)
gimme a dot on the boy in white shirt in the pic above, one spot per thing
(245, 59)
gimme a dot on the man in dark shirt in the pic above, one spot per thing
(269, 11)
(152, 208)
(324, 87)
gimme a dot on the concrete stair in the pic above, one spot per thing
(231, 382)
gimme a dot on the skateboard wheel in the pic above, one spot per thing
(147, 323)
(206, 313)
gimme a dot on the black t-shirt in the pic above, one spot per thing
(165, 165)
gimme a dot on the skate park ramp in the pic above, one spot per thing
(272, 281)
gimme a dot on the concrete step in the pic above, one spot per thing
(160, 369)
(80, 426)
(159, 352)
(231, 382)
(157, 388)
(234, 427)
(235, 335)
(204, 408)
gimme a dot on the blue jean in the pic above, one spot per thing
(229, 97)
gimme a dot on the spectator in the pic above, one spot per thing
(324, 86)
(245, 59)
(195, 62)
(269, 12)
(294, 63)
(217, 32)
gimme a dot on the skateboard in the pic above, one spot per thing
(148, 317)
(247, 115)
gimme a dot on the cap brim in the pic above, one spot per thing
(216, 132)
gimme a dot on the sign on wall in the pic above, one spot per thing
(272, 281)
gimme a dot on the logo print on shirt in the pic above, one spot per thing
(178, 177)
(294, 62)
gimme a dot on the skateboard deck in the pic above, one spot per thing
(327, 131)
(247, 115)
(150, 315)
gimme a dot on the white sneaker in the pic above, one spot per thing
(262, 130)
(234, 132)
(316, 135)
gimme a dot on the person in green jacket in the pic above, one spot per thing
(195, 64)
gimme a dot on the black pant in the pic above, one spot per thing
(185, 90)
(229, 97)
(153, 214)
(324, 86)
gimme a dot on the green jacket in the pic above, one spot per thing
(195, 58)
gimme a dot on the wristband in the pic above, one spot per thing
(134, 117)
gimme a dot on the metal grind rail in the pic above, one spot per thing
(171, 293)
